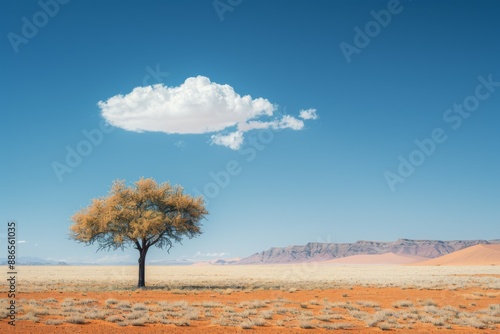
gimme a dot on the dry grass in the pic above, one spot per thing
(267, 314)
(369, 304)
(115, 318)
(96, 314)
(402, 303)
(306, 324)
(29, 316)
(429, 302)
(264, 313)
(75, 319)
(141, 321)
(247, 324)
(337, 326)
(111, 301)
(289, 278)
(139, 307)
(124, 305)
(340, 312)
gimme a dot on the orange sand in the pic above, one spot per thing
(479, 255)
(384, 296)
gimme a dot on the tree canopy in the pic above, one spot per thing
(143, 215)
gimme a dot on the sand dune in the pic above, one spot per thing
(386, 258)
(478, 255)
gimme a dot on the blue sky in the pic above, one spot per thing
(335, 177)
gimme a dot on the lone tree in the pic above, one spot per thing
(144, 215)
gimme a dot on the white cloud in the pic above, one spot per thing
(234, 140)
(308, 114)
(210, 254)
(113, 258)
(196, 106)
(21, 241)
(286, 122)
(290, 122)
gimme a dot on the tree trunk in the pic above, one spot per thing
(142, 271)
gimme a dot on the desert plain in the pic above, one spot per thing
(299, 298)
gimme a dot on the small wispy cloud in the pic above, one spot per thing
(233, 140)
(21, 241)
(308, 114)
(215, 254)
(197, 106)
(113, 258)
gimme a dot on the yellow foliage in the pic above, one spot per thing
(143, 215)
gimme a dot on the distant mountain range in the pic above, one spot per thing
(315, 252)
(34, 261)
(311, 252)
